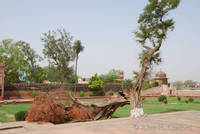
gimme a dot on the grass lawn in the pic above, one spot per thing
(7, 112)
(150, 105)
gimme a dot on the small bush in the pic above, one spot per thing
(81, 94)
(95, 83)
(111, 93)
(33, 94)
(179, 98)
(161, 98)
(21, 116)
(190, 99)
(165, 101)
(186, 101)
(143, 99)
(90, 93)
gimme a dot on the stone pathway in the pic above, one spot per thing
(185, 122)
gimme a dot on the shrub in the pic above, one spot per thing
(90, 93)
(161, 98)
(127, 84)
(81, 94)
(186, 101)
(96, 83)
(21, 116)
(111, 93)
(33, 94)
(165, 101)
(143, 99)
(190, 99)
(179, 98)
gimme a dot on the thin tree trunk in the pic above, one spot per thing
(135, 93)
(135, 96)
(76, 74)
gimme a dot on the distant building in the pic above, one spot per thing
(160, 79)
(83, 80)
(46, 82)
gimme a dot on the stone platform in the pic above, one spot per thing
(185, 122)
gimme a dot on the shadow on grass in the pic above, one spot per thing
(171, 110)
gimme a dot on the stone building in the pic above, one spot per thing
(1, 81)
(160, 79)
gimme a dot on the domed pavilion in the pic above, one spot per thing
(160, 79)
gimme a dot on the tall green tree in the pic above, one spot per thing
(59, 51)
(13, 58)
(77, 49)
(32, 59)
(153, 28)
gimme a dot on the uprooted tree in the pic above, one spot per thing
(47, 109)
(153, 28)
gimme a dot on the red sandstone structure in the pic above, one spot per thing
(1, 81)
(160, 79)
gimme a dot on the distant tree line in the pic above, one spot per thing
(186, 83)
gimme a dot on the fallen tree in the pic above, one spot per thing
(46, 109)
(81, 111)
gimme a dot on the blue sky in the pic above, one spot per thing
(105, 28)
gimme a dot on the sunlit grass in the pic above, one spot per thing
(150, 105)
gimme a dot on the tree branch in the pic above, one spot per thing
(144, 46)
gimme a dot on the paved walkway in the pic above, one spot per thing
(186, 122)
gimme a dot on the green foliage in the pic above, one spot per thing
(110, 76)
(146, 82)
(81, 94)
(78, 47)
(179, 98)
(190, 99)
(33, 70)
(186, 101)
(20, 59)
(178, 84)
(33, 94)
(127, 84)
(90, 93)
(13, 58)
(153, 28)
(53, 74)
(165, 101)
(189, 83)
(96, 83)
(59, 51)
(147, 85)
(161, 98)
(21, 116)
(111, 93)
(72, 79)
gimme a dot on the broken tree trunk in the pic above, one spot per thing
(84, 111)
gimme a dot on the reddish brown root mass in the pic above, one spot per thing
(46, 109)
